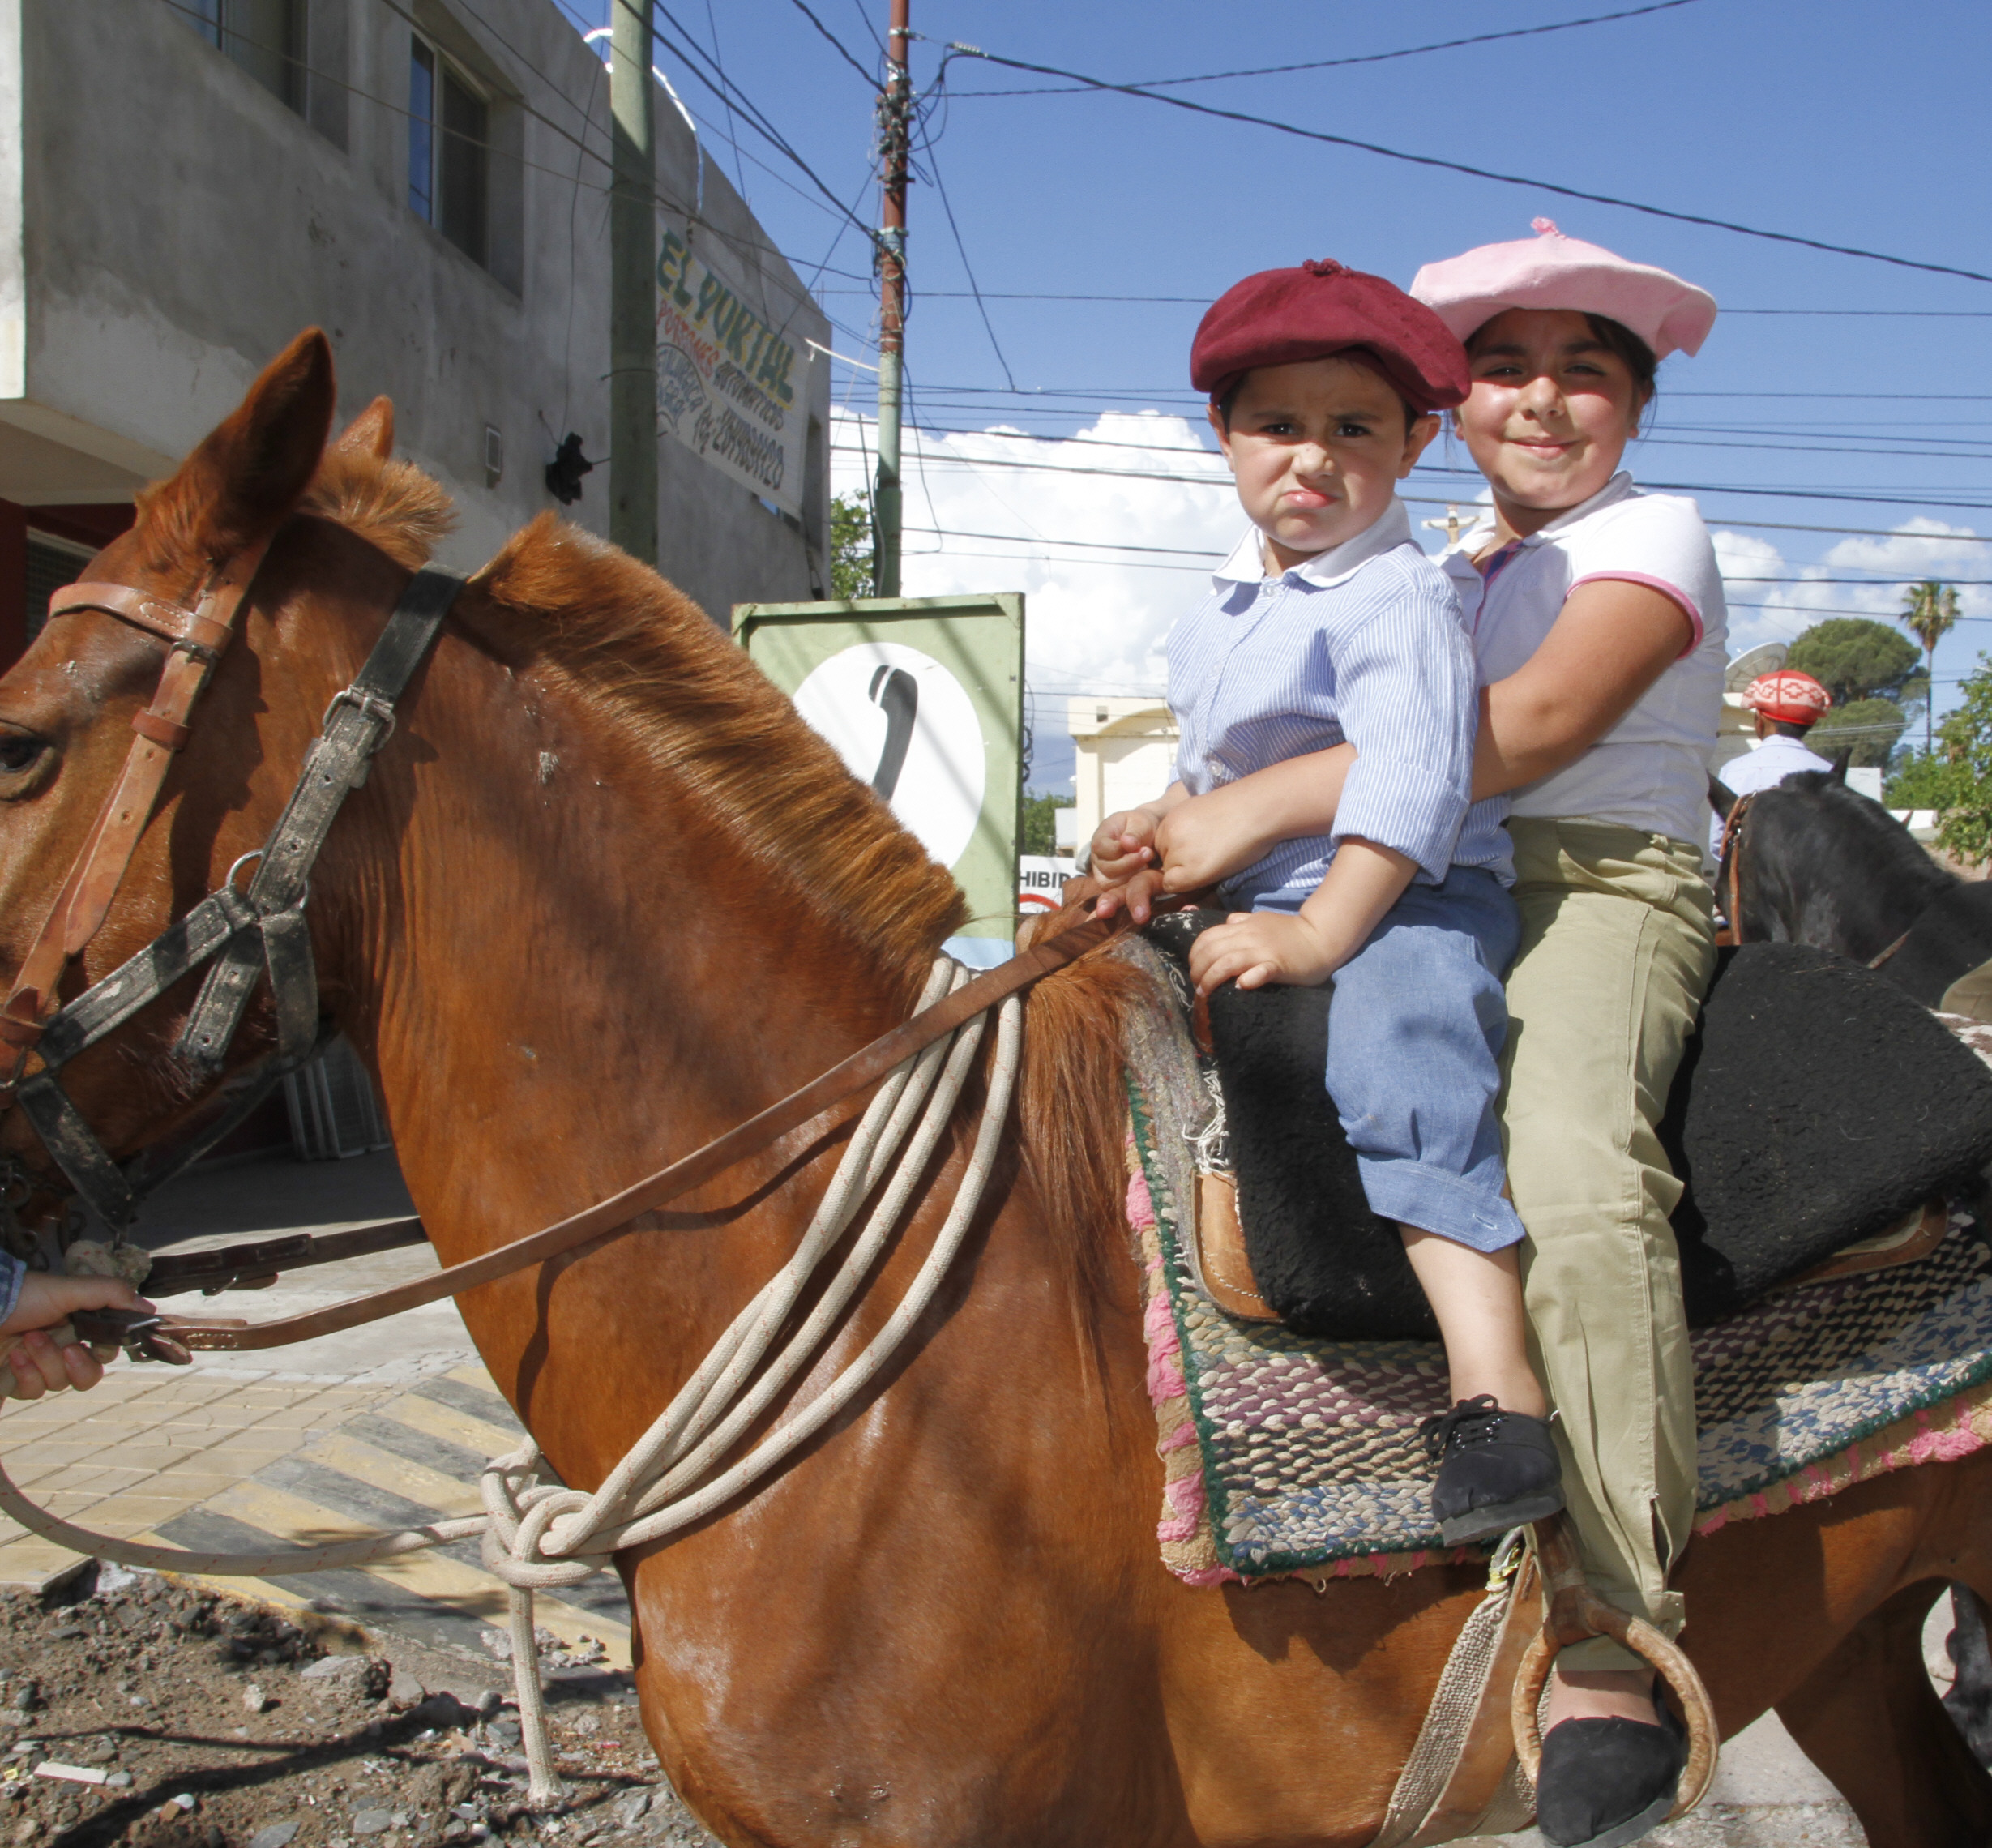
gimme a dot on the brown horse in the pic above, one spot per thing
(604, 896)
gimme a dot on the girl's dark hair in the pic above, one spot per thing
(1619, 340)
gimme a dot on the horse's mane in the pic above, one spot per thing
(706, 717)
(1889, 851)
(390, 504)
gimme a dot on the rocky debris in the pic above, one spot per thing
(261, 1739)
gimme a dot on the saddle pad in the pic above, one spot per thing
(1285, 1455)
(1818, 1104)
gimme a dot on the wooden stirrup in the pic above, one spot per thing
(1573, 1612)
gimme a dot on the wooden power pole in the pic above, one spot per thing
(895, 108)
(632, 289)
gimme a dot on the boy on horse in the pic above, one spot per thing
(1328, 624)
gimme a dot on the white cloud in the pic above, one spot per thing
(1097, 616)
(1919, 547)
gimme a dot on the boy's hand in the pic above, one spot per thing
(1254, 948)
(1123, 845)
(1208, 838)
(38, 1364)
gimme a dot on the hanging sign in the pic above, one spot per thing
(729, 386)
(922, 697)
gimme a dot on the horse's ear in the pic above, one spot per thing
(244, 480)
(1840, 759)
(1721, 797)
(370, 434)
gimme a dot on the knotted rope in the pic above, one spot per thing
(538, 1536)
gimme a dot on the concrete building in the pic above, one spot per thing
(185, 184)
(1124, 752)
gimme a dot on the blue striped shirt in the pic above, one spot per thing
(1362, 643)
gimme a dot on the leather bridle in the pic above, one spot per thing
(244, 934)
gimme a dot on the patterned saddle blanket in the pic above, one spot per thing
(1283, 1454)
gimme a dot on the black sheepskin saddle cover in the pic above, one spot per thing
(1817, 1105)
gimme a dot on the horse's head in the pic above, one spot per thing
(83, 747)
(1810, 861)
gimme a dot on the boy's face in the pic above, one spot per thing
(1317, 448)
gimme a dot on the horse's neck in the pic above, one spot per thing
(570, 981)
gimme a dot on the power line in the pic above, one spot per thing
(871, 78)
(1471, 172)
(1370, 57)
(1866, 499)
(1205, 301)
(1460, 500)
(934, 171)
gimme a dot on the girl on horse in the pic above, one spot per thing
(1597, 618)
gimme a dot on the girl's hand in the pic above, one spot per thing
(1254, 948)
(38, 1364)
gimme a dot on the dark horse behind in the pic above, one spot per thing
(1816, 862)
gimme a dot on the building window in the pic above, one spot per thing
(52, 563)
(265, 37)
(449, 147)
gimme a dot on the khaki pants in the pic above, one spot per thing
(1618, 947)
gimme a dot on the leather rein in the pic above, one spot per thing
(246, 933)
(1731, 857)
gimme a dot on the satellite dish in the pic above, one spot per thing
(1766, 657)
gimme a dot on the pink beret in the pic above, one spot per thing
(1788, 696)
(1551, 271)
(1317, 310)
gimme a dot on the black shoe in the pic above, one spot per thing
(1497, 1469)
(1605, 1783)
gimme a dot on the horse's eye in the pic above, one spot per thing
(18, 752)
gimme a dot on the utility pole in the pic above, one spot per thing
(632, 289)
(895, 108)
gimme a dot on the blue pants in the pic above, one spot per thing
(1416, 1026)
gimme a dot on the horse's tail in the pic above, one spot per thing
(1074, 1109)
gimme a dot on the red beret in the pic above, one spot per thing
(1279, 316)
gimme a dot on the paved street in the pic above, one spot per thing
(384, 1426)
(389, 1425)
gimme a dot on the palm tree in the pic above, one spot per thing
(1928, 609)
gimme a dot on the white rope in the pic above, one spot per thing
(537, 1536)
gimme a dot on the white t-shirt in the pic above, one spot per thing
(1649, 771)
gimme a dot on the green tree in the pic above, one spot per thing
(850, 547)
(1040, 830)
(1869, 730)
(1854, 659)
(1929, 613)
(1955, 777)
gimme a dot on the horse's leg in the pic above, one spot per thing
(1969, 1702)
(1869, 1719)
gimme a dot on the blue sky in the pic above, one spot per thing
(1843, 123)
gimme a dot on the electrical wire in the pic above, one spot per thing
(957, 49)
(870, 77)
(1369, 58)
(1204, 300)
(940, 188)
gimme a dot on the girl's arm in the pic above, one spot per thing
(1611, 641)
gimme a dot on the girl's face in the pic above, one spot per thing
(1318, 447)
(1552, 409)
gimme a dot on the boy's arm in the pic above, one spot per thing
(1363, 881)
(1209, 837)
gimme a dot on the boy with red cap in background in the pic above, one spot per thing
(1327, 624)
(1788, 705)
